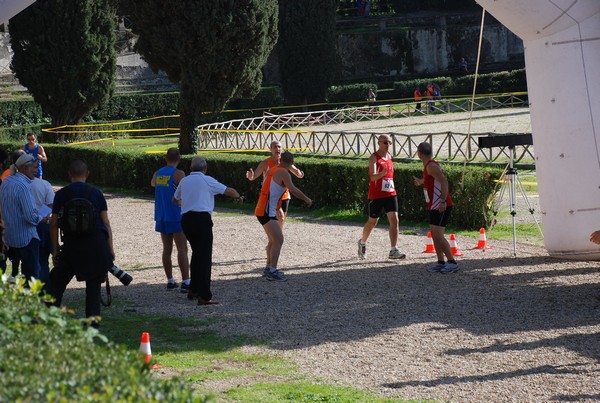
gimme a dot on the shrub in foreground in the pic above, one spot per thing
(46, 355)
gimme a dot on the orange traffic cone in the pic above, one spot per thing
(429, 248)
(145, 347)
(481, 244)
(454, 246)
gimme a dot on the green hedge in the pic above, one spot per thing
(350, 93)
(47, 355)
(505, 81)
(329, 182)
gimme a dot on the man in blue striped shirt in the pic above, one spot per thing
(21, 216)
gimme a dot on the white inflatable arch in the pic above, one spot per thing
(562, 55)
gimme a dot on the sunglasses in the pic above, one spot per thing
(386, 142)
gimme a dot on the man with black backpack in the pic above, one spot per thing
(80, 214)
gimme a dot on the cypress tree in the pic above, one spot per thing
(214, 49)
(306, 49)
(64, 54)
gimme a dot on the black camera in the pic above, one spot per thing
(123, 277)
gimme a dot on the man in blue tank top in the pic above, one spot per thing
(32, 147)
(168, 219)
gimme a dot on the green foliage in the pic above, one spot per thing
(46, 355)
(306, 49)
(406, 89)
(506, 81)
(266, 98)
(214, 49)
(20, 113)
(136, 106)
(349, 93)
(64, 54)
(379, 7)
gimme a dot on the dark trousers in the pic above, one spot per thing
(43, 230)
(197, 227)
(61, 275)
(29, 255)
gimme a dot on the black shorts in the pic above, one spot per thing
(285, 204)
(263, 219)
(388, 204)
(439, 219)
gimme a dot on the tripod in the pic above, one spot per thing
(510, 179)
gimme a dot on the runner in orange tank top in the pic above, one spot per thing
(263, 168)
(277, 181)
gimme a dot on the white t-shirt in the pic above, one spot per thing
(43, 194)
(197, 192)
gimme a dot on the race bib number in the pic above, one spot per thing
(426, 195)
(387, 185)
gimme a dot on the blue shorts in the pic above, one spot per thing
(168, 227)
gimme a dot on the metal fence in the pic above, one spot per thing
(292, 131)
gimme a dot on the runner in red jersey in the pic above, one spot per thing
(382, 195)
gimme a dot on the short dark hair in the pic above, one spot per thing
(173, 154)
(78, 167)
(287, 157)
(425, 148)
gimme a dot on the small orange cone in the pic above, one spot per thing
(454, 246)
(429, 248)
(145, 349)
(481, 244)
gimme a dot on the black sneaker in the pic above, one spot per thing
(172, 286)
(184, 288)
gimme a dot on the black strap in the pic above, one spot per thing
(106, 302)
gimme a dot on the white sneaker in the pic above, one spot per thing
(396, 254)
(362, 249)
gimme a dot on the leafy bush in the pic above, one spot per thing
(46, 355)
(349, 93)
(505, 81)
(332, 182)
(406, 89)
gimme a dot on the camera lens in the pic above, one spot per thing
(123, 277)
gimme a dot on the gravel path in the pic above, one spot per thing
(501, 328)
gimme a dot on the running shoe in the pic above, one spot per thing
(276, 276)
(362, 249)
(437, 268)
(449, 268)
(184, 288)
(172, 286)
(396, 254)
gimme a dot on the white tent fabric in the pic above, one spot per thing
(10, 8)
(562, 56)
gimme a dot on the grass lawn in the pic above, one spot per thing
(218, 366)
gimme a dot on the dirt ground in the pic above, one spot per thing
(502, 328)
